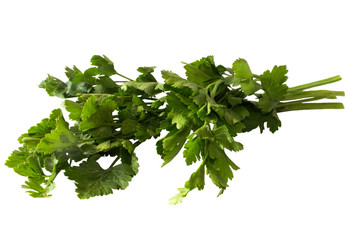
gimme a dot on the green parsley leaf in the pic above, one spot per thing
(176, 81)
(243, 76)
(241, 69)
(76, 76)
(105, 65)
(129, 126)
(92, 180)
(106, 85)
(197, 179)
(193, 148)
(97, 117)
(170, 145)
(146, 75)
(150, 88)
(74, 108)
(32, 138)
(54, 87)
(178, 198)
(202, 70)
(24, 163)
(36, 189)
(273, 82)
(58, 140)
(222, 136)
(274, 87)
(273, 122)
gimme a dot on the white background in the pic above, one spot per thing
(299, 183)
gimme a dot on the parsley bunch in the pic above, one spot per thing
(202, 113)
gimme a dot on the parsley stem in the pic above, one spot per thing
(100, 138)
(113, 163)
(137, 143)
(314, 84)
(303, 100)
(30, 139)
(308, 106)
(317, 93)
(100, 95)
(124, 77)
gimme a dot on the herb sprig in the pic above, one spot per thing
(201, 113)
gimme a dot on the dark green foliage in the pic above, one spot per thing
(202, 113)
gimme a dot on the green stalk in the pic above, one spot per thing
(302, 98)
(308, 106)
(113, 163)
(124, 77)
(302, 101)
(317, 94)
(314, 84)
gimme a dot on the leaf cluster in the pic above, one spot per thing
(201, 113)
